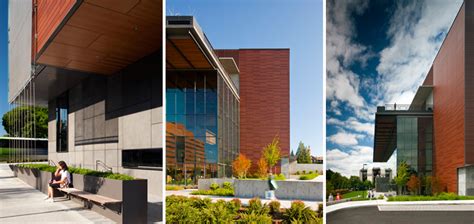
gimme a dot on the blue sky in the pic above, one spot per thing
(273, 24)
(3, 61)
(378, 52)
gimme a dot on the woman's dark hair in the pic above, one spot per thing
(63, 165)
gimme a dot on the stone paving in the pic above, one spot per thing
(20, 203)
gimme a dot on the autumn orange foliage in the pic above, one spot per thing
(241, 165)
(262, 168)
(414, 184)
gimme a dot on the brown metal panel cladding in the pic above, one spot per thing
(264, 99)
(429, 78)
(50, 13)
(448, 79)
(469, 83)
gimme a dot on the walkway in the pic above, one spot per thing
(383, 205)
(20, 203)
(245, 201)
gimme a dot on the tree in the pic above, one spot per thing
(303, 154)
(262, 168)
(34, 122)
(413, 184)
(241, 165)
(271, 153)
(402, 176)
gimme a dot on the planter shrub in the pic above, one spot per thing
(255, 218)
(299, 213)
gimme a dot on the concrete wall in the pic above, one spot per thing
(111, 114)
(294, 167)
(466, 180)
(288, 190)
(205, 184)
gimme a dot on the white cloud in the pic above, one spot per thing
(349, 163)
(353, 124)
(416, 32)
(343, 84)
(345, 138)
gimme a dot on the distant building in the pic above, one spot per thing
(371, 174)
(317, 159)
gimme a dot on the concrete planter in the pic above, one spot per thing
(132, 193)
(205, 184)
(287, 190)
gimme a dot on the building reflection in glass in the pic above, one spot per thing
(202, 134)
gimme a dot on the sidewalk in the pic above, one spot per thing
(20, 203)
(245, 201)
(382, 205)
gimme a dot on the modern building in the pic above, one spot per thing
(220, 103)
(435, 133)
(373, 173)
(97, 66)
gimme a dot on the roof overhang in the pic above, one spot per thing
(385, 137)
(104, 37)
(229, 65)
(421, 95)
(187, 48)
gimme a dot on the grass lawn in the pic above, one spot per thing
(354, 194)
(309, 176)
(4, 154)
(440, 197)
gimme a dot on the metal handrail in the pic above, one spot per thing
(51, 162)
(101, 163)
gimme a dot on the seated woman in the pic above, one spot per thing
(61, 179)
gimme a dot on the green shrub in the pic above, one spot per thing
(214, 186)
(200, 203)
(174, 188)
(254, 218)
(297, 173)
(439, 197)
(237, 203)
(381, 197)
(256, 206)
(173, 199)
(299, 213)
(310, 172)
(182, 212)
(274, 207)
(218, 212)
(309, 176)
(217, 192)
(304, 172)
(280, 177)
(227, 185)
(108, 175)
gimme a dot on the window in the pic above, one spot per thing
(142, 158)
(62, 111)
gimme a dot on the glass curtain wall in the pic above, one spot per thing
(196, 134)
(415, 143)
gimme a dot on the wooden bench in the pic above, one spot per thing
(90, 197)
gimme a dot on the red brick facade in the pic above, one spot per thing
(264, 98)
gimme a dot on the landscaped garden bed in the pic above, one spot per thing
(438, 197)
(131, 192)
(181, 209)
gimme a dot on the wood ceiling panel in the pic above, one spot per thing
(76, 36)
(122, 6)
(104, 36)
(191, 51)
(111, 23)
(174, 58)
(74, 53)
(51, 60)
(147, 10)
(98, 68)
